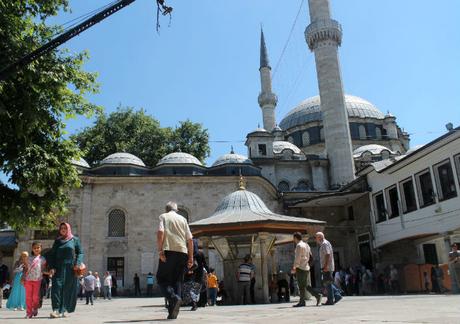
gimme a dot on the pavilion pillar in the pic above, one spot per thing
(264, 246)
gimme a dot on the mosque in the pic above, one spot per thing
(303, 166)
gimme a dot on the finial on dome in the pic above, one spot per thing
(258, 125)
(242, 183)
(231, 150)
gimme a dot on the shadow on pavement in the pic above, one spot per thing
(139, 321)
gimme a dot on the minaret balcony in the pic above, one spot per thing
(323, 30)
(267, 98)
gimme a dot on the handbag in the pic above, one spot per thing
(79, 270)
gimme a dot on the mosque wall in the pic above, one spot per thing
(142, 200)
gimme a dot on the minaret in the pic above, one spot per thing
(324, 36)
(267, 99)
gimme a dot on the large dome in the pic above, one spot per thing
(309, 110)
(123, 158)
(179, 158)
(231, 158)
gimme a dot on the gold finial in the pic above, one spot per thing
(242, 183)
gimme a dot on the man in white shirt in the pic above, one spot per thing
(301, 269)
(175, 247)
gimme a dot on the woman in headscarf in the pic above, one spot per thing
(64, 258)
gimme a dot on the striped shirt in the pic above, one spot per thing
(245, 272)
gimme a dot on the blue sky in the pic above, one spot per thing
(403, 56)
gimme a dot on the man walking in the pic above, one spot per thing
(89, 283)
(326, 255)
(137, 285)
(175, 247)
(301, 269)
(108, 285)
(244, 275)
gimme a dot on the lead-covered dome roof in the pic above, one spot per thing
(374, 149)
(280, 146)
(122, 158)
(231, 158)
(179, 158)
(81, 162)
(309, 110)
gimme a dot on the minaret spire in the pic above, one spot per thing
(324, 36)
(267, 99)
(263, 51)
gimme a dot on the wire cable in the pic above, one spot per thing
(288, 39)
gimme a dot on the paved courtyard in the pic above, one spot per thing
(377, 309)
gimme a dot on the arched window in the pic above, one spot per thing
(283, 186)
(306, 138)
(181, 211)
(378, 133)
(290, 139)
(385, 154)
(362, 132)
(117, 220)
(303, 185)
(321, 134)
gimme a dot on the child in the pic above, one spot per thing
(33, 278)
(212, 286)
(17, 298)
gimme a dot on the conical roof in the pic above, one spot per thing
(243, 208)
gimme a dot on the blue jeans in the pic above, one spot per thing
(212, 295)
(107, 292)
(333, 293)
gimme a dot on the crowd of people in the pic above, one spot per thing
(184, 278)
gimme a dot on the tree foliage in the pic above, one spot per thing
(34, 104)
(127, 130)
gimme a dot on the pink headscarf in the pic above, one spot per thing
(69, 235)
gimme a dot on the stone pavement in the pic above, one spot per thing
(375, 309)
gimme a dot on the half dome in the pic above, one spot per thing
(179, 158)
(309, 111)
(231, 158)
(374, 149)
(280, 146)
(122, 158)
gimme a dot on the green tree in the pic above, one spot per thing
(34, 105)
(127, 130)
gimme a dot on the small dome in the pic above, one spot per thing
(374, 149)
(122, 158)
(280, 146)
(259, 130)
(241, 200)
(81, 163)
(179, 158)
(309, 110)
(277, 129)
(231, 158)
